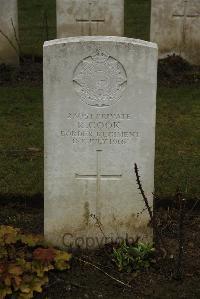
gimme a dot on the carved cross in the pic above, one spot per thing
(185, 15)
(90, 20)
(98, 176)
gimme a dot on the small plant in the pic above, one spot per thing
(25, 261)
(130, 258)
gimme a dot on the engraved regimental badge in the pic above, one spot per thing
(100, 80)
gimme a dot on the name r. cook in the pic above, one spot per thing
(99, 125)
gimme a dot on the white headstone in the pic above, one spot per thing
(90, 17)
(175, 27)
(8, 32)
(99, 113)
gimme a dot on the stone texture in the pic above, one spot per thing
(175, 27)
(90, 17)
(99, 113)
(8, 14)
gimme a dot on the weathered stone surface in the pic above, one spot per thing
(175, 27)
(90, 17)
(8, 32)
(99, 113)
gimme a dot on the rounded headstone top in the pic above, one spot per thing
(116, 39)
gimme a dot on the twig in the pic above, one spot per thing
(105, 273)
(194, 206)
(10, 42)
(141, 212)
(101, 230)
(99, 224)
(180, 238)
(142, 192)
(16, 38)
(46, 25)
(149, 210)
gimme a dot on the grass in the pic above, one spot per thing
(32, 24)
(137, 19)
(177, 141)
(21, 140)
(33, 31)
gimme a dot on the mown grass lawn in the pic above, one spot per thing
(177, 140)
(21, 140)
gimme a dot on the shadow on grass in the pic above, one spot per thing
(36, 201)
(22, 200)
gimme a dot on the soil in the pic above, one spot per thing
(84, 280)
(174, 70)
(28, 72)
